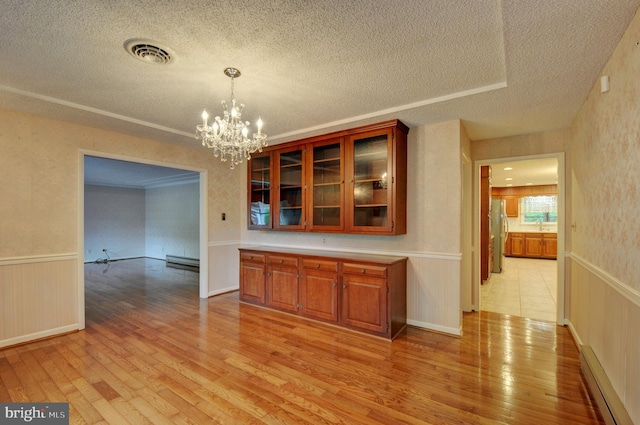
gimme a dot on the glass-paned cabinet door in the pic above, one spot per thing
(290, 192)
(327, 186)
(371, 182)
(260, 192)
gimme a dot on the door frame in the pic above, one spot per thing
(475, 285)
(203, 291)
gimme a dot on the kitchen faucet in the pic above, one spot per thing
(539, 221)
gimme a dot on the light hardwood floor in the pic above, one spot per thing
(154, 353)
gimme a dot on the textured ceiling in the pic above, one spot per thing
(112, 172)
(504, 67)
(524, 172)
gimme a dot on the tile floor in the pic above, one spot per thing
(526, 287)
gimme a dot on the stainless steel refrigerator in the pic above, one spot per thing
(499, 231)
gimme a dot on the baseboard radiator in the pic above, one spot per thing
(177, 261)
(610, 405)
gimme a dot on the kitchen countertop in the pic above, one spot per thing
(533, 231)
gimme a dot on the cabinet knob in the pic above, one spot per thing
(281, 261)
(268, 274)
(334, 284)
(344, 286)
(362, 271)
(317, 266)
(251, 257)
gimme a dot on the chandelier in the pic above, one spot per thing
(228, 135)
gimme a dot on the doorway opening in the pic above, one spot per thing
(526, 272)
(132, 208)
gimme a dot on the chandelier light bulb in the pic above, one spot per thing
(228, 136)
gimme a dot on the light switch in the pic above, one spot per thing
(604, 84)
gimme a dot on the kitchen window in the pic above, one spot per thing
(539, 209)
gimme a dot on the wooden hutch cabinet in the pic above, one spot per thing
(259, 215)
(288, 205)
(252, 275)
(282, 283)
(319, 289)
(326, 182)
(352, 181)
(366, 293)
(371, 183)
(364, 297)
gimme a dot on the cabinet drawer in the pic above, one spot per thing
(329, 266)
(516, 235)
(253, 257)
(364, 269)
(549, 236)
(281, 260)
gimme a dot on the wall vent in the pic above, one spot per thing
(610, 405)
(178, 262)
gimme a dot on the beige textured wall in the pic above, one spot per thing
(39, 174)
(606, 168)
(39, 204)
(605, 286)
(524, 145)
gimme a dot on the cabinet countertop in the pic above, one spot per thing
(327, 253)
(538, 232)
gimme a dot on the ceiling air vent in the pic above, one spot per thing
(148, 51)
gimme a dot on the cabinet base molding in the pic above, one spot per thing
(333, 326)
(360, 292)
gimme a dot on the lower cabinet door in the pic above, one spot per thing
(252, 283)
(364, 303)
(319, 295)
(517, 246)
(533, 246)
(282, 288)
(550, 248)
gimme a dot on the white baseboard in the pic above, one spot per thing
(437, 328)
(38, 335)
(223, 290)
(574, 333)
(611, 407)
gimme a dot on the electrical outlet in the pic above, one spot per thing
(224, 216)
(324, 240)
